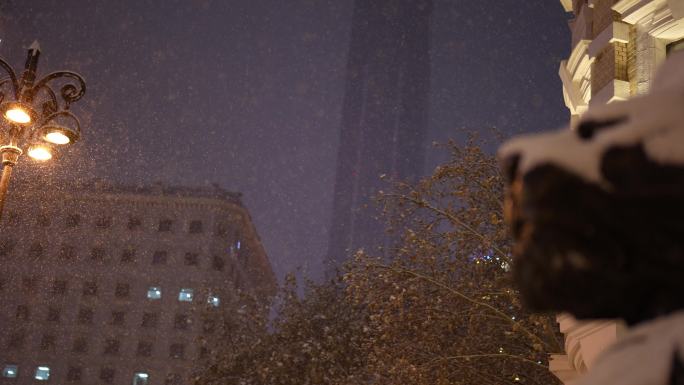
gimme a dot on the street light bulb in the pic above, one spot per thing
(18, 115)
(40, 153)
(57, 137)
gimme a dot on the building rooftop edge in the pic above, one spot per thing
(213, 191)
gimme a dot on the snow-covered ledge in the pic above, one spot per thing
(614, 32)
(583, 343)
(615, 90)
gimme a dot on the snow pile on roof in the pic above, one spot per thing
(656, 120)
(644, 356)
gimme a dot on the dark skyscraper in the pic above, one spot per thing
(384, 117)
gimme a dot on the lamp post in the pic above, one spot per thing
(34, 116)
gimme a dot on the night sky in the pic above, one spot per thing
(248, 94)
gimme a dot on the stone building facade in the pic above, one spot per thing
(110, 285)
(617, 45)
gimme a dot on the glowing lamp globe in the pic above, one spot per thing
(17, 115)
(40, 153)
(57, 137)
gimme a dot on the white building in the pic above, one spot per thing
(617, 46)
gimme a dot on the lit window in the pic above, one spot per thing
(237, 245)
(213, 300)
(154, 292)
(10, 371)
(185, 295)
(42, 373)
(140, 378)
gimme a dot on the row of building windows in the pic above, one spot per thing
(100, 254)
(75, 374)
(85, 316)
(68, 252)
(221, 229)
(111, 347)
(121, 291)
(184, 295)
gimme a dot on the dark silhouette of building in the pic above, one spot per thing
(384, 117)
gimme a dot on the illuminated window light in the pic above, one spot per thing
(185, 295)
(42, 373)
(10, 371)
(140, 378)
(213, 300)
(154, 292)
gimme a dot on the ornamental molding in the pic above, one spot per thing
(633, 11)
(664, 24)
(575, 74)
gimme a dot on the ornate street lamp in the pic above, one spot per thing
(35, 117)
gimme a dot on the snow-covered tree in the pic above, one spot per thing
(440, 310)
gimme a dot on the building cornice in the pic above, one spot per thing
(567, 5)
